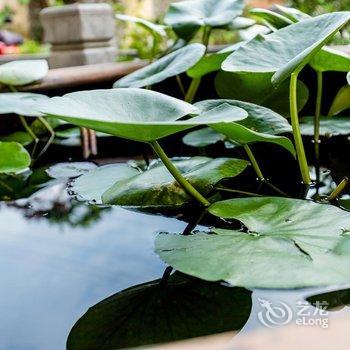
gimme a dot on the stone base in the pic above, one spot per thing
(69, 58)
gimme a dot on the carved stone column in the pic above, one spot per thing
(80, 34)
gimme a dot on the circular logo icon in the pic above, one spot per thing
(274, 315)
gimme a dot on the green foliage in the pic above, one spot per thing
(157, 188)
(13, 157)
(166, 67)
(303, 244)
(135, 114)
(287, 50)
(316, 7)
(17, 73)
(164, 309)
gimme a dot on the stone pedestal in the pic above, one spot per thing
(80, 34)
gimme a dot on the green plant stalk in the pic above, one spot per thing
(192, 90)
(52, 135)
(181, 87)
(195, 83)
(339, 190)
(230, 190)
(254, 162)
(28, 129)
(318, 114)
(299, 146)
(177, 175)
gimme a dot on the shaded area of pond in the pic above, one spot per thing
(59, 257)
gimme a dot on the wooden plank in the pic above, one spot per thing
(69, 77)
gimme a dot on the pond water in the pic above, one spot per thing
(59, 257)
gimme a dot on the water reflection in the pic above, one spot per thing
(174, 308)
(50, 275)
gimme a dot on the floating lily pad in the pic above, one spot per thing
(134, 114)
(154, 313)
(156, 187)
(155, 29)
(70, 170)
(168, 66)
(91, 186)
(24, 72)
(289, 243)
(287, 50)
(21, 103)
(257, 88)
(341, 101)
(187, 17)
(13, 157)
(203, 137)
(329, 126)
(261, 125)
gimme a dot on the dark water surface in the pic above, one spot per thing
(59, 257)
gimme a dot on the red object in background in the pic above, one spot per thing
(8, 49)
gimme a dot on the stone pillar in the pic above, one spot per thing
(80, 34)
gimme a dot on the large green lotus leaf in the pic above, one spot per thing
(329, 126)
(135, 114)
(329, 59)
(261, 125)
(212, 63)
(24, 72)
(203, 137)
(341, 101)
(156, 187)
(168, 66)
(187, 17)
(91, 186)
(272, 19)
(155, 29)
(13, 157)
(21, 103)
(287, 50)
(289, 243)
(257, 88)
(155, 312)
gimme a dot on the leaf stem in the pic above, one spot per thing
(339, 190)
(254, 162)
(224, 189)
(44, 122)
(304, 169)
(177, 175)
(181, 86)
(195, 83)
(318, 114)
(192, 90)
